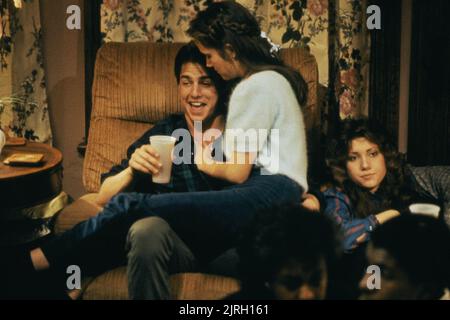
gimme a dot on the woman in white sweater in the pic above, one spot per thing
(264, 125)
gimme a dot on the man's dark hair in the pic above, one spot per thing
(280, 235)
(421, 246)
(189, 53)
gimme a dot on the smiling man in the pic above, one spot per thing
(203, 96)
(154, 250)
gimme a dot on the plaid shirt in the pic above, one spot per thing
(185, 177)
(339, 208)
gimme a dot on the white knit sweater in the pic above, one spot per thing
(265, 117)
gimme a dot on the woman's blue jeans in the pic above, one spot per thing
(208, 222)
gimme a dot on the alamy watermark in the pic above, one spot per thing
(374, 18)
(374, 280)
(74, 279)
(73, 21)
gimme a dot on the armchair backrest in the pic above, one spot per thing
(134, 87)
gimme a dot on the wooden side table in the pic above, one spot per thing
(23, 187)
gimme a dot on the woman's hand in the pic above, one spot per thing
(387, 215)
(310, 202)
(145, 159)
(203, 150)
(236, 171)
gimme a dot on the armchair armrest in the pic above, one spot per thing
(80, 210)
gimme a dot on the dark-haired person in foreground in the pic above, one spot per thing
(413, 254)
(289, 253)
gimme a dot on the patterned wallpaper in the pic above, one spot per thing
(291, 23)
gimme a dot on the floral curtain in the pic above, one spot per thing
(351, 57)
(23, 100)
(291, 23)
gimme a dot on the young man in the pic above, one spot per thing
(154, 250)
(413, 254)
(203, 96)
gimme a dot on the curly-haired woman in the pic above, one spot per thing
(371, 182)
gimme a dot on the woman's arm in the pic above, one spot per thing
(384, 216)
(236, 170)
(355, 230)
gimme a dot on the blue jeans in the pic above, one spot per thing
(208, 222)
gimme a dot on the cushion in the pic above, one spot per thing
(80, 210)
(112, 285)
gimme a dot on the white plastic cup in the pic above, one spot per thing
(428, 209)
(164, 147)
